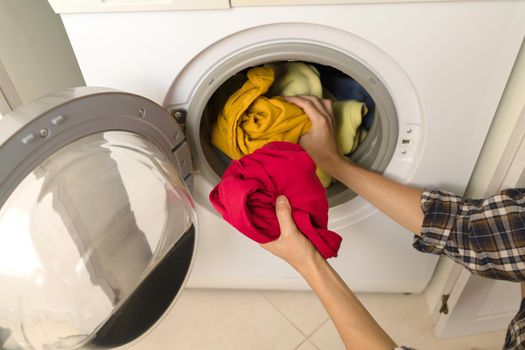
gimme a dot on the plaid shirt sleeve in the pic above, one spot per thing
(487, 236)
(515, 338)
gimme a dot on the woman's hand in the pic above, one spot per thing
(291, 246)
(320, 141)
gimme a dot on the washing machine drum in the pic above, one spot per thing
(97, 227)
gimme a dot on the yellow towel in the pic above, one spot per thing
(349, 115)
(363, 135)
(359, 138)
(249, 120)
(324, 177)
(295, 78)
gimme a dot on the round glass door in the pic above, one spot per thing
(95, 244)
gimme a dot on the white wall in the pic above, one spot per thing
(505, 121)
(35, 50)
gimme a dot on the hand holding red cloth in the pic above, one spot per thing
(246, 194)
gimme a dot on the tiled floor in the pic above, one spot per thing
(223, 319)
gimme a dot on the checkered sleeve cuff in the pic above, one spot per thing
(440, 209)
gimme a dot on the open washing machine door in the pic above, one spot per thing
(97, 226)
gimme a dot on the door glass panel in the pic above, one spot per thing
(80, 233)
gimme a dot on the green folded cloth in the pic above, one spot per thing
(295, 78)
(348, 115)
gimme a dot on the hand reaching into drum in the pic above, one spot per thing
(320, 141)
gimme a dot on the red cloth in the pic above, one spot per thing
(246, 194)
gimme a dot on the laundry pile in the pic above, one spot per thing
(259, 131)
(256, 113)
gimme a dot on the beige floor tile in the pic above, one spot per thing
(303, 309)
(327, 338)
(407, 320)
(307, 346)
(217, 320)
(405, 317)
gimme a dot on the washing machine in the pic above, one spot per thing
(435, 70)
(101, 189)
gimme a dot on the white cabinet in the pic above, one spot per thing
(478, 304)
(77, 6)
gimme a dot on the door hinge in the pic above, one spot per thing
(180, 117)
(444, 304)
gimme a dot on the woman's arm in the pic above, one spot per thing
(466, 230)
(355, 325)
(399, 202)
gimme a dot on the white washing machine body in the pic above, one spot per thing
(444, 65)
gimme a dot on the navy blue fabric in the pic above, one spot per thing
(345, 88)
